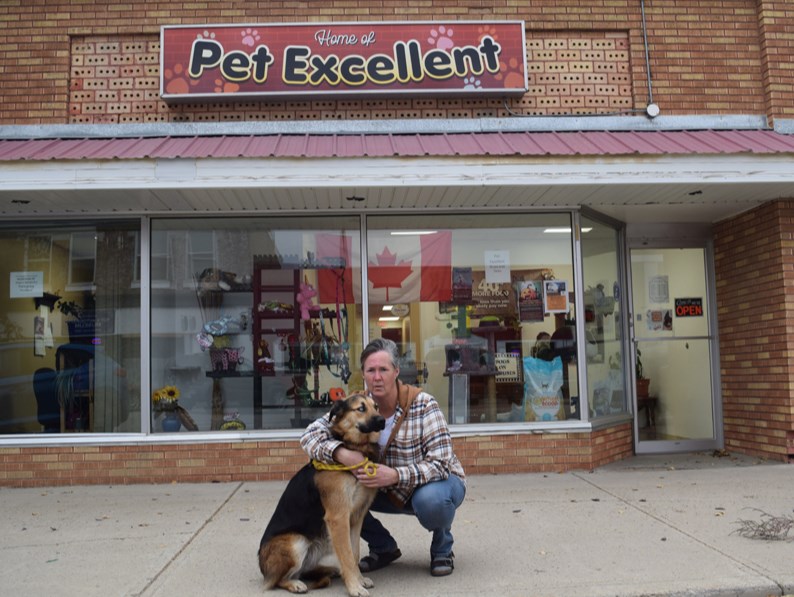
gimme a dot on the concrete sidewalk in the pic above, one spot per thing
(660, 525)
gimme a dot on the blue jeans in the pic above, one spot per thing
(433, 505)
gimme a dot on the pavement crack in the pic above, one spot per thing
(190, 541)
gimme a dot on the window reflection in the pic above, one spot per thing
(256, 323)
(69, 329)
(470, 299)
(603, 327)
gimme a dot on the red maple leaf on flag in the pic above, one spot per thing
(387, 273)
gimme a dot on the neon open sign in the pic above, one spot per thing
(343, 59)
(689, 307)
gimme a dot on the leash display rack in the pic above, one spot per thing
(277, 281)
(276, 324)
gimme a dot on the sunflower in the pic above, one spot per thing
(166, 398)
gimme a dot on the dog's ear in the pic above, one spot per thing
(337, 409)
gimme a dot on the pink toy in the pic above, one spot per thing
(304, 298)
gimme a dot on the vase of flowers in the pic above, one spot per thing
(166, 400)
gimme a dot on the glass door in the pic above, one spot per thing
(676, 391)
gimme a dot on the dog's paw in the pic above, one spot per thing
(294, 586)
(367, 582)
(358, 591)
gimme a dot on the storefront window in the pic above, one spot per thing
(603, 327)
(69, 328)
(257, 325)
(481, 307)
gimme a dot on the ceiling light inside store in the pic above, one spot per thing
(388, 319)
(387, 308)
(412, 232)
(562, 230)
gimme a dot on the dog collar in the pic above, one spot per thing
(370, 468)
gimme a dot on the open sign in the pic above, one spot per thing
(689, 307)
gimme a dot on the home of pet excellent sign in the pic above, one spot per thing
(258, 61)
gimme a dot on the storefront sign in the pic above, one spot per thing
(689, 307)
(342, 59)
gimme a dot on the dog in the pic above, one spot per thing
(320, 513)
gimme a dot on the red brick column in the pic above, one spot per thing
(754, 263)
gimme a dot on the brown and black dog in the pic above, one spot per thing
(321, 511)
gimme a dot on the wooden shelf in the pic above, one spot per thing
(485, 372)
(225, 374)
(269, 315)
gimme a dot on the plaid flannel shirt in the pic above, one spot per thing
(421, 451)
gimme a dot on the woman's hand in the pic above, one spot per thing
(384, 476)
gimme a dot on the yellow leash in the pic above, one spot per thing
(370, 468)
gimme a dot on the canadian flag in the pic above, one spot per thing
(336, 285)
(400, 269)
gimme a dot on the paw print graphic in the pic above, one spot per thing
(512, 73)
(206, 35)
(177, 81)
(471, 83)
(250, 37)
(225, 86)
(441, 38)
(487, 30)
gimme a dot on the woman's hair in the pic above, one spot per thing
(378, 345)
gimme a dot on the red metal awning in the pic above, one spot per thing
(582, 143)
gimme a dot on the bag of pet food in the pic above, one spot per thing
(608, 393)
(543, 389)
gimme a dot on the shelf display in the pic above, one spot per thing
(291, 337)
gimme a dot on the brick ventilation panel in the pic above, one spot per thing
(117, 80)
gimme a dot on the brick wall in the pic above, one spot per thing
(754, 263)
(705, 56)
(278, 460)
(776, 26)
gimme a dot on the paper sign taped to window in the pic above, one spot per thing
(508, 367)
(26, 284)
